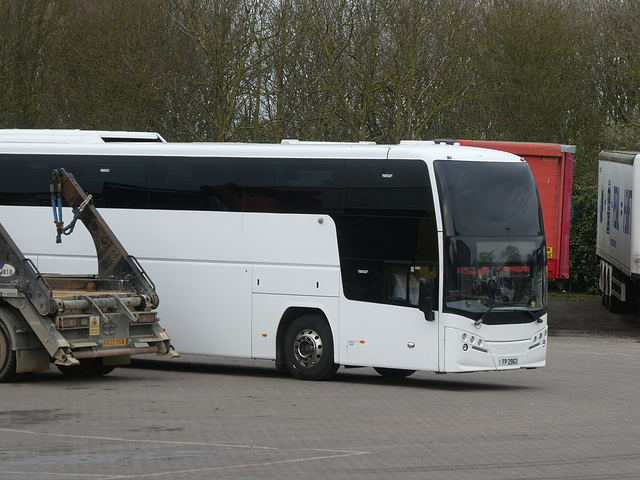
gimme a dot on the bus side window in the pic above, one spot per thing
(202, 183)
(362, 280)
(403, 282)
(113, 181)
(25, 180)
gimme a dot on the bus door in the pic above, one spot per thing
(395, 333)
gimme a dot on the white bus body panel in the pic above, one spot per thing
(387, 336)
(276, 288)
(211, 281)
(209, 305)
(267, 311)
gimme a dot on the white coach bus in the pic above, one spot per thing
(417, 256)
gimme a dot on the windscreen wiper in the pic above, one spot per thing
(479, 321)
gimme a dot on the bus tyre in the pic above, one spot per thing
(308, 348)
(7, 356)
(394, 372)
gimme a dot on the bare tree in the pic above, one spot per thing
(104, 59)
(532, 65)
(426, 69)
(618, 53)
(25, 28)
(289, 107)
(224, 32)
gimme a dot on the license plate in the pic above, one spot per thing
(114, 342)
(508, 362)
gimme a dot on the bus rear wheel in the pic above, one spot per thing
(7, 356)
(308, 348)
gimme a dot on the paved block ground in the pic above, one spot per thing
(201, 418)
(567, 317)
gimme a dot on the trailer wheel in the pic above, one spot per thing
(308, 348)
(7, 356)
(615, 305)
(91, 367)
(394, 372)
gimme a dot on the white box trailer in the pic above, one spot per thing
(618, 238)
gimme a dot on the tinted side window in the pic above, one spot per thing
(247, 184)
(294, 185)
(197, 183)
(113, 181)
(393, 187)
(387, 236)
(25, 180)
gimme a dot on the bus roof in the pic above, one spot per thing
(76, 136)
(87, 142)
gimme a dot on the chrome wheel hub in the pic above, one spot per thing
(307, 348)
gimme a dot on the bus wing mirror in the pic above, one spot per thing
(425, 302)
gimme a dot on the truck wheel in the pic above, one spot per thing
(7, 356)
(90, 367)
(308, 348)
(394, 372)
(615, 305)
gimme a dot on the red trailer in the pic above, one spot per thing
(552, 167)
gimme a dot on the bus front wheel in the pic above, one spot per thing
(308, 348)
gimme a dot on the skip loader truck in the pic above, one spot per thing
(86, 325)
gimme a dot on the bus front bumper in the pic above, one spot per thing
(467, 351)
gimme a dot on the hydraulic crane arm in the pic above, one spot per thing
(113, 260)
